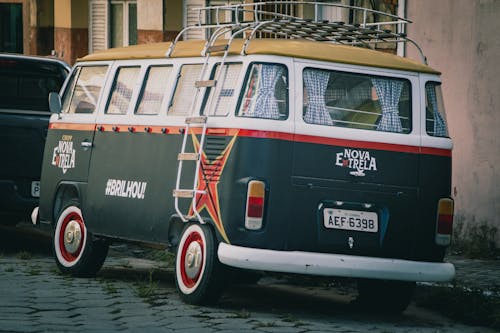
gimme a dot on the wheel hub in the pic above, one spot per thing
(72, 237)
(192, 262)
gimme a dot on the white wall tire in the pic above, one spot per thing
(198, 272)
(70, 237)
(75, 251)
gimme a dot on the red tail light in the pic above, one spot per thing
(444, 223)
(255, 204)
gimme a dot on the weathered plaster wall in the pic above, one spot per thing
(460, 38)
(71, 31)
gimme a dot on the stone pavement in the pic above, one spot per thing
(132, 294)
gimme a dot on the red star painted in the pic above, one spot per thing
(208, 182)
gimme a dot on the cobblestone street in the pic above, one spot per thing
(132, 294)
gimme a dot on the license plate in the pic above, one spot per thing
(350, 220)
(35, 189)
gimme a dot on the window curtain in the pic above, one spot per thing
(439, 123)
(316, 82)
(266, 105)
(388, 92)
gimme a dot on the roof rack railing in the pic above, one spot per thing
(302, 20)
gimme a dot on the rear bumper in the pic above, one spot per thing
(334, 264)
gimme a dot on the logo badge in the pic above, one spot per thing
(63, 156)
(350, 241)
(357, 160)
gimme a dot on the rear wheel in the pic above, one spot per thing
(198, 272)
(384, 296)
(76, 253)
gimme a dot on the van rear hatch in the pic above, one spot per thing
(355, 198)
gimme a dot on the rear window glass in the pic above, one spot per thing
(435, 117)
(83, 90)
(266, 92)
(25, 84)
(359, 101)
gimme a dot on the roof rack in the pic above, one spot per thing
(299, 20)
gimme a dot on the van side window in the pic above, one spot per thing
(123, 87)
(435, 117)
(153, 90)
(221, 97)
(84, 89)
(356, 101)
(266, 92)
(185, 90)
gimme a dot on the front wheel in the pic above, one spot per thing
(76, 253)
(198, 272)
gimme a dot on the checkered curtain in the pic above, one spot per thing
(266, 105)
(316, 82)
(439, 123)
(388, 92)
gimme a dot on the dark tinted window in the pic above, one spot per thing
(25, 84)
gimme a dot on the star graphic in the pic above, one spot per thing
(209, 175)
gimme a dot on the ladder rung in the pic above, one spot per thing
(186, 193)
(205, 84)
(183, 193)
(217, 48)
(188, 157)
(196, 120)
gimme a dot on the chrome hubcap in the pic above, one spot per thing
(192, 262)
(72, 237)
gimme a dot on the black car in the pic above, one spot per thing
(25, 83)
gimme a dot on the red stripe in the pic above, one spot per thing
(266, 135)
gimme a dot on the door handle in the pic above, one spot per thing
(86, 144)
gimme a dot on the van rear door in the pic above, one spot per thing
(355, 165)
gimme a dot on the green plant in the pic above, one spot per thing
(147, 289)
(24, 255)
(33, 270)
(242, 314)
(468, 305)
(474, 240)
(109, 288)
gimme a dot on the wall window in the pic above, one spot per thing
(11, 27)
(123, 88)
(266, 92)
(123, 23)
(153, 90)
(83, 90)
(357, 101)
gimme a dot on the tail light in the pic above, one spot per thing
(444, 223)
(255, 204)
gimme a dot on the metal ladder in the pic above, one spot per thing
(198, 122)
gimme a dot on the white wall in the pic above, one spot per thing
(460, 38)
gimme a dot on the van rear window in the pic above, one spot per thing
(435, 117)
(359, 101)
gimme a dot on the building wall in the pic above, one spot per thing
(71, 29)
(460, 38)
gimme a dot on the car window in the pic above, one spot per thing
(25, 84)
(266, 92)
(123, 88)
(153, 90)
(83, 90)
(334, 98)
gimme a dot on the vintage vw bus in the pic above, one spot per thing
(297, 154)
